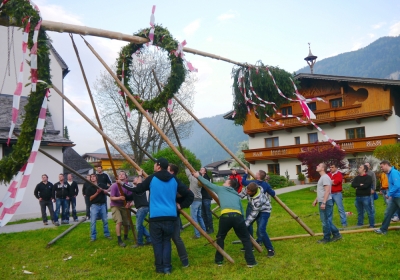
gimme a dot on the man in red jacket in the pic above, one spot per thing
(238, 178)
(336, 192)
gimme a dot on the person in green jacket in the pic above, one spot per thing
(231, 217)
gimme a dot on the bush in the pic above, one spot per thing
(348, 191)
(277, 181)
(291, 183)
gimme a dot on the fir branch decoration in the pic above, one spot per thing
(164, 40)
(263, 86)
(11, 164)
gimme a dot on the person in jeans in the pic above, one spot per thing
(393, 195)
(176, 236)
(325, 203)
(74, 191)
(119, 212)
(142, 207)
(86, 185)
(61, 195)
(43, 192)
(163, 187)
(336, 193)
(371, 173)
(260, 212)
(206, 204)
(195, 208)
(363, 184)
(231, 217)
(97, 207)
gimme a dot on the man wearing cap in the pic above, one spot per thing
(163, 189)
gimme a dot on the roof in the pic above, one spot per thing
(77, 163)
(386, 82)
(50, 135)
(222, 173)
(216, 164)
(101, 156)
(59, 59)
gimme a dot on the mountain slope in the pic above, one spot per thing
(380, 59)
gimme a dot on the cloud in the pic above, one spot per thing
(356, 46)
(395, 29)
(378, 25)
(371, 35)
(226, 16)
(57, 13)
(192, 27)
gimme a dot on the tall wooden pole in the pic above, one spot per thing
(121, 192)
(162, 134)
(291, 213)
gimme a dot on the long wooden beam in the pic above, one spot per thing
(90, 31)
(277, 199)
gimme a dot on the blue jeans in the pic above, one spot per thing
(63, 202)
(180, 246)
(338, 200)
(384, 194)
(161, 234)
(363, 203)
(372, 201)
(98, 209)
(140, 216)
(72, 204)
(326, 215)
(262, 222)
(195, 212)
(393, 206)
(250, 227)
(206, 214)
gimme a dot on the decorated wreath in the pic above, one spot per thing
(11, 164)
(258, 78)
(164, 40)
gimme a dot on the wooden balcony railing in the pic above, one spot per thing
(350, 146)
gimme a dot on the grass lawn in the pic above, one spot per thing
(356, 256)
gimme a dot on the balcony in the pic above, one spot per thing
(351, 146)
(331, 116)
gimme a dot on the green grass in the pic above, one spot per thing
(357, 256)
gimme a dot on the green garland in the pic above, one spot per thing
(265, 89)
(10, 165)
(162, 39)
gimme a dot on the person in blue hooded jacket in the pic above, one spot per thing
(163, 188)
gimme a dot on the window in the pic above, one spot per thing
(312, 137)
(297, 140)
(298, 169)
(286, 110)
(274, 169)
(354, 133)
(336, 103)
(312, 106)
(7, 149)
(272, 142)
(352, 163)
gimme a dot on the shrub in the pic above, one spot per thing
(277, 181)
(348, 191)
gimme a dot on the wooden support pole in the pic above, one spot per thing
(104, 140)
(65, 232)
(162, 134)
(213, 212)
(291, 213)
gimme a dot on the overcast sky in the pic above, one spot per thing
(276, 32)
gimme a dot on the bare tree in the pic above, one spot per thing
(135, 130)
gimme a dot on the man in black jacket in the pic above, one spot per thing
(43, 193)
(74, 191)
(61, 196)
(206, 204)
(363, 183)
(86, 185)
(163, 188)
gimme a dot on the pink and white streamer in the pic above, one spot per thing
(170, 105)
(34, 73)
(15, 193)
(152, 19)
(121, 92)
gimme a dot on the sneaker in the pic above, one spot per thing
(323, 241)
(64, 222)
(185, 263)
(121, 244)
(219, 263)
(271, 253)
(76, 220)
(336, 238)
(56, 224)
(344, 226)
(210, 231)
(379, 231)
(195, 237)
(244, 250)
(45, 223)
(109, 237)
(251, 265)
(148, 243)
(395, 219)
(137, 246)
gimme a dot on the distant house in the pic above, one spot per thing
(101, 159)
(222, 168)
